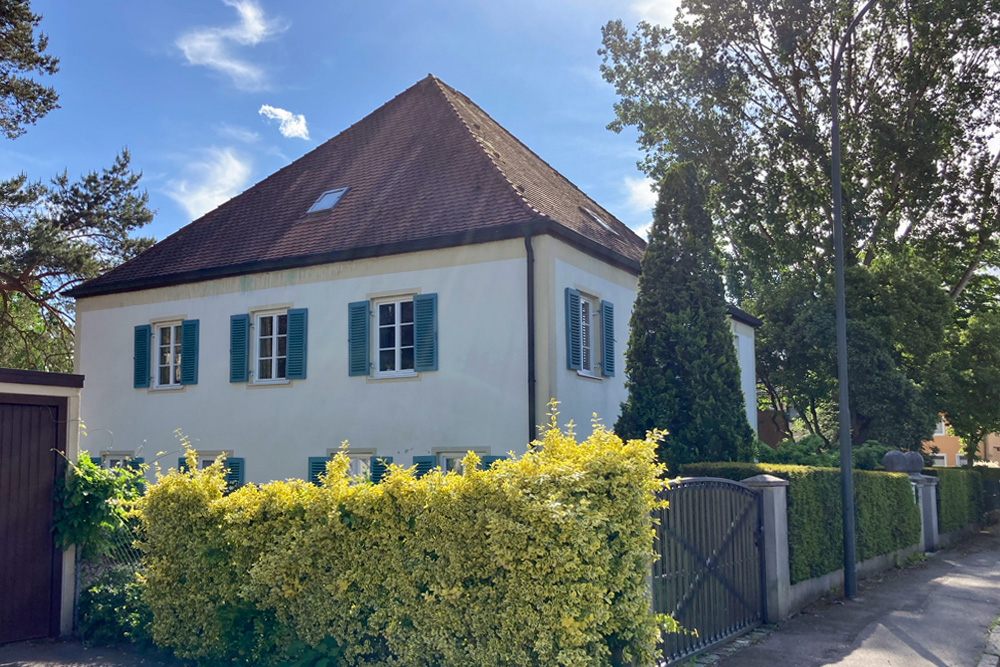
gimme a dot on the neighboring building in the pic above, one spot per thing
(950, 452)
(420, 285)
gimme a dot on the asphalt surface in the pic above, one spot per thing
(937, 613)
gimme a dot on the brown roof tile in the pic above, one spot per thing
(428, 167)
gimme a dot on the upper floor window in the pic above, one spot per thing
(168, 355)
(590, 334)
(401, 332)
(271, 347)
(394, 321)
(940, 428)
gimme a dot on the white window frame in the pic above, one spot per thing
(376, 343)
(116, 458)
(174, 355)
(258, 317)
(360, 461)
(960, 460)
(590, 336)
(450, 460)
(940, 460)
(940, 428)
(206, 459)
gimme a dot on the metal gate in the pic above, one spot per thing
(31, 430)
(708, 573)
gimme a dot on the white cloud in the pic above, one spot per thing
(658, 12)
(217, 177)
(643, 230)
(640, 193)
(292, 125)
(213, 47)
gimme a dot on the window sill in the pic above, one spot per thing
(395, 376)
(168, 388)
(589, 376)
(269, 383)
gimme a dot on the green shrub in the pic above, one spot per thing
(960, 497)
(112, 610)
(808, 451)
(541, 560)
(887, 518)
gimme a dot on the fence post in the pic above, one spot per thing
(777, 579)
(925, 488)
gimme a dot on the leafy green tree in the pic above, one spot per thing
(681, 367)
(22, 99)
(968, 378)
(52, 236)
(741, 89)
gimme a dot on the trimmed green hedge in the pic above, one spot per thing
(960, 497)
(539, 560)
(887, 518)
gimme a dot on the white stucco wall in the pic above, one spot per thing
(746, 355)
(560, 266)
(477, 399)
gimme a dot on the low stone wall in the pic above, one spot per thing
(801, 594)
(956, 536)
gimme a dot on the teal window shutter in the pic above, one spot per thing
(189, 352)
(425, 333)
(379, 468)
(181, 465)
(607, 339)
(96, 460)
(357, 338)
(234, 472)
(488, 461)
(140, 365)
(239, 348)
(317, 467)
(424, 464)
(574, 331)
(298, 329)
(135, 462)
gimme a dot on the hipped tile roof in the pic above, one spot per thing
(427, 169)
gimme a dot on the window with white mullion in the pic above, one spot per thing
(586, 336)
(168, 355)
(395, 337)
(272, 346)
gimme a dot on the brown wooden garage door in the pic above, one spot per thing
(31, 427)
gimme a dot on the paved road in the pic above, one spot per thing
(74, 654)
(934, 614)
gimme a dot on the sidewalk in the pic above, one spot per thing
(936, 613)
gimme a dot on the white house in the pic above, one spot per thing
(420, 285)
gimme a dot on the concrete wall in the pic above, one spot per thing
(746, 354)
(476, 400)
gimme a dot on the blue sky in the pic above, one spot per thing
(211, 96)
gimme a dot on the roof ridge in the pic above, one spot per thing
(555, 171)
(441, 85)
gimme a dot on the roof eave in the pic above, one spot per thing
(535, 227)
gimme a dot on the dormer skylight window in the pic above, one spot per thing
(598, 220)
(327, 200)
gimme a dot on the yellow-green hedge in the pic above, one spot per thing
(541, 560)
(886, 516)
(960, 497)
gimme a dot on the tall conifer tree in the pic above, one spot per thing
(681, 364)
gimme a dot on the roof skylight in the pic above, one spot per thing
(598, 220)
(327, 200)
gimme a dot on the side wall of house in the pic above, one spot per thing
(560, 266)
(476, 399)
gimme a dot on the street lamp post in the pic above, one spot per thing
(846, 466)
